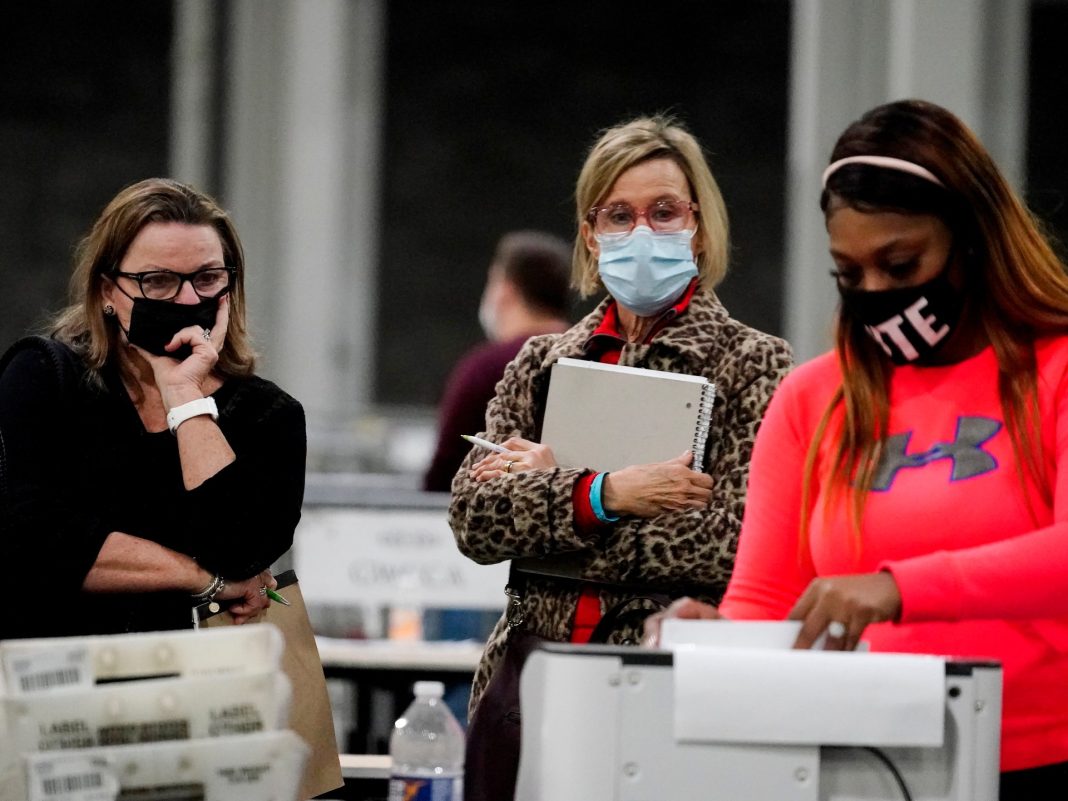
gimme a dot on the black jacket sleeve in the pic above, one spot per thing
(47, 528)
(242, 519)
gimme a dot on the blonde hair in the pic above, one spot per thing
(1016, 288)
(617, 150)
(83, 325)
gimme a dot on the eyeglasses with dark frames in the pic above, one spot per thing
(208, 283)
(621, 218)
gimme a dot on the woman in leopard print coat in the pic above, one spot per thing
(672, 540)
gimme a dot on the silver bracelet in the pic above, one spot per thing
(208, 594)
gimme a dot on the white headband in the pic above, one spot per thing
(882, 161)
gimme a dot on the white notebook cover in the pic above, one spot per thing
(605, 417)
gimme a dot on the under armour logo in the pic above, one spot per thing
(969, 458)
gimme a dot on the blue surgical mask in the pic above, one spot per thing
(645, 271)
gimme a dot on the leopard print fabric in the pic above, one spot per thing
(531, 514)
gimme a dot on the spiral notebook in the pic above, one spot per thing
(605, 417)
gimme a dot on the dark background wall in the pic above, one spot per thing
(490, 108)
(1047, 155)
(84, 108)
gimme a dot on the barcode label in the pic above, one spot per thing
(47, 668)
(152, 731)
(65, 677)
(164, 792)
(63, 785)
(71, 777)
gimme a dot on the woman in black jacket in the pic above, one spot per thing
(145, 468)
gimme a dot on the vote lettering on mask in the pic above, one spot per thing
(911, 323)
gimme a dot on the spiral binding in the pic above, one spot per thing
(704, 423)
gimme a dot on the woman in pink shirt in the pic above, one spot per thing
(905, 488)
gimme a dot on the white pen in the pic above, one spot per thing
(485, 443)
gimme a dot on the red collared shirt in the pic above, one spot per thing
(605, 345)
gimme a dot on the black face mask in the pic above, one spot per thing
(153, 323)
(911, 323)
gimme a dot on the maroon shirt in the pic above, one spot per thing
(469, 389)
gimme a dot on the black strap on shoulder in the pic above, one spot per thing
(628, 612)
(560, 570)
(68, 367)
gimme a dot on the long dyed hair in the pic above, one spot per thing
(1016, 288)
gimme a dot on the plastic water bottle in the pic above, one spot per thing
(427, 747)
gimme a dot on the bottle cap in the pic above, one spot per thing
(434, 689)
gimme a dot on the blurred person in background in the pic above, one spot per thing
(651, 230)
(144, 467)
(906, 488)
(526, 294)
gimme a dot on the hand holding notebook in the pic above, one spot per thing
(513, 456)
(648, 490)
(647, 428)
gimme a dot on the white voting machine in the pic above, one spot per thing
(603, 723)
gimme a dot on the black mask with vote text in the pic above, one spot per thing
(153, 323)
(910, 323)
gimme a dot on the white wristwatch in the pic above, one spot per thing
(195, 408)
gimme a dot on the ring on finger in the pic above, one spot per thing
(207, 334)
(508, 465)
(263, 590)
(836, 630)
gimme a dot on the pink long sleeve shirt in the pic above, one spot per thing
(980, 575)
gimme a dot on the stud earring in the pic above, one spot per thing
(109, 311)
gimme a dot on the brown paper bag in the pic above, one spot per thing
(310, 714)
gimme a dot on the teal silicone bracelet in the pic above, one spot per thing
(596, 489)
